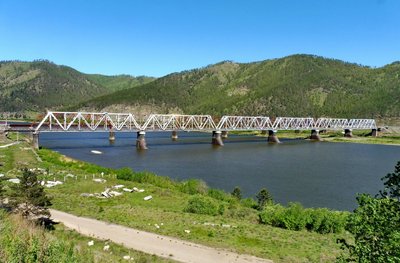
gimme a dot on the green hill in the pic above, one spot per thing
(35, 86)
(298, 85)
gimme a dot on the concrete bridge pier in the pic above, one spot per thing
(174, 135)
(315, 135)
(111, 136)
(224, 134)
(141, 141)
(374, 133)
(35, 140)
(272, 137)
(217, 138)
(348, 133)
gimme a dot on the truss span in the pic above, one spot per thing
(244, 123)
(174, 122)
(90, 121)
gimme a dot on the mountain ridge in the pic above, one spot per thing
(297, 85)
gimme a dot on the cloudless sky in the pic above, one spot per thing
(158, 37)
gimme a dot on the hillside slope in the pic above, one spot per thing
(35, 86)
(299, 85)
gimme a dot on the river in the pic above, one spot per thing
(316, 174)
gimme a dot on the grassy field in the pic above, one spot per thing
(237, 228)
(22, 241)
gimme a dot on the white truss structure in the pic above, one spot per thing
(289, 123)
(244, 123)
(92, 121)
(340, 124)
(175, 122)
(87, 121)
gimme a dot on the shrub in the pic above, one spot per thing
(193, 186)
(295, 217)
(125, 174)
(249, 202)
(199, 204)
(217, 194)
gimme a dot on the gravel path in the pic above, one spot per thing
(150, 243)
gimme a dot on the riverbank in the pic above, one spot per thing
(236, 229)
(390, 136)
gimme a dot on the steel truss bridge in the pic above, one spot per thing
(119, 122)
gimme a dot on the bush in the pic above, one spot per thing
(193, 186)
(125, 174)
(217, 194)
(205, 205)
(295, 217)
(249, 203)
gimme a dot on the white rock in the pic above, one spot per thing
(187, 231)
(140, 190)
(147, 198)
(1, 175)
(157, 226)
(15, 180)
(118, 186)
(135, 189)
(99, 180)
(106, 248)
(126, 257)
(90, 243)
(127, 190)
(114, 193)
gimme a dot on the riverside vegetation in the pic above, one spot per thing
(214, 218)
(258, 227)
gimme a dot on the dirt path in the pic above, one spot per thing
(150, 243)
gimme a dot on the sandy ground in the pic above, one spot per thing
(150, 243)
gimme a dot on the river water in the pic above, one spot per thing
(316, 174)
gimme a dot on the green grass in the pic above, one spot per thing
(245, 234)
(170, 198)
(23, 241)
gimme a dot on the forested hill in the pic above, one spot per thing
(298, 85)
(35, 86)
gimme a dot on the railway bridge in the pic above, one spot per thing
(56, 121)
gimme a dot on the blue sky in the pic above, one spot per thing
(147, 37)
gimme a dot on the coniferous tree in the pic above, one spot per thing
(237, 193)
(263, 197)
(28, 197)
